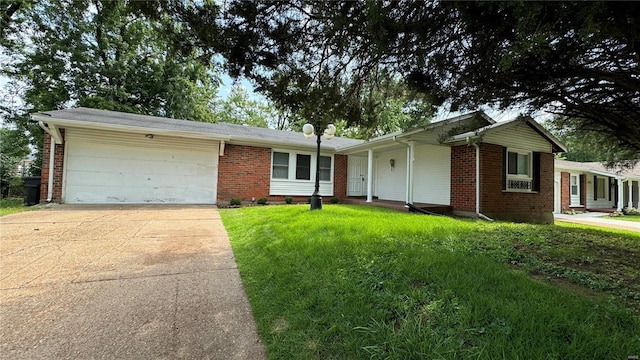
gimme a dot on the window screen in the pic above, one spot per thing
(303, 167)
(325, 168)
(280, 165)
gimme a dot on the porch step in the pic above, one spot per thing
(438, 209)
(606, 210)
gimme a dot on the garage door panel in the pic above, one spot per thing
(144, 167)
(141, 180)
(121, 152)
(115, 170)
(99, 195)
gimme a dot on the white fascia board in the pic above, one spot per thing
(390, 139)
(124, 128)
(270, 143)
(604, 173)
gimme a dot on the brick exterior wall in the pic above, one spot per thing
(494, 202)
(565, 191)
(514, 206)
(340, 176)
(57, 169)
(244, 173)
(463, 178)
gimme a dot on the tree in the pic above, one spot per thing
(101, 54)
(389, 105)
(576, 59)
(239, 108)
(592, 146)
(13, 149)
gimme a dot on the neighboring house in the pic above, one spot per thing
(592, 186)
(109, 157)
(24, 166)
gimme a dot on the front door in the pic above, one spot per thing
(357, 180)
(574, 188)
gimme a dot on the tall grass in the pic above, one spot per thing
(352, 282)
(12, 206)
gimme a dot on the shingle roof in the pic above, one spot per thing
(87, 117)
(599, 167)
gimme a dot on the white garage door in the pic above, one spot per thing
(113, 167)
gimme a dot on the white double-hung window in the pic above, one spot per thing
(519, 170)
(280, 167)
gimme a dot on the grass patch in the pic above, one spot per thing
(356, 282)
(635, 218)
(12, 206)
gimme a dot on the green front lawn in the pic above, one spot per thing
(635, 218)
(353, 282)
(11, 206)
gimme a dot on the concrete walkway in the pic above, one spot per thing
(125, 282)
(598, 219)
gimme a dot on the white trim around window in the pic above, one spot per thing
(519, 170)
(294, 173)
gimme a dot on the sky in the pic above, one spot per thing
(228, 83)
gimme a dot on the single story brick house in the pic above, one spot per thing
(592, 186)
(96, 156)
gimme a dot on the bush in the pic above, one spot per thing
(631, 211)
(334, 200)
(262, 201)
(288, 200)
(235, 202)
(616, 214)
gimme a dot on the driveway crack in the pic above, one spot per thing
(174, 326)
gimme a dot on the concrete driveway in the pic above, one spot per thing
(598, 219)
(125, 282)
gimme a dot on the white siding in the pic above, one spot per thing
(391, 183)
(520, 136)
(432, 174)
(299, 187)
(114, 167)
(601, 203)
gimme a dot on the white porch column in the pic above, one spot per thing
(407, 193)
(638, 207)
(630, 187)
(369, 175)
(620, 195)
(410, 158)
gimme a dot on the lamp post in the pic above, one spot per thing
(329, 132)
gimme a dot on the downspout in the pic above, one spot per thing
(369, 175)
(480, 215)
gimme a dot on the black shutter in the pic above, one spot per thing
(583, 190)
(595, 187)
(610, 187)
(536, 171)
(504, 168)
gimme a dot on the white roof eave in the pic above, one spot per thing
(126, 128)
